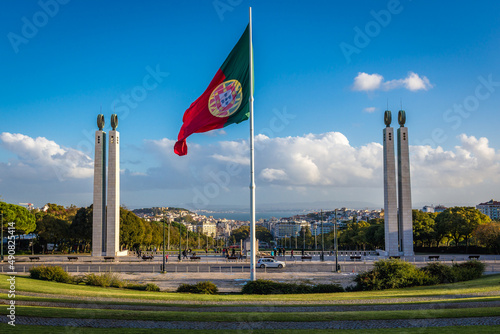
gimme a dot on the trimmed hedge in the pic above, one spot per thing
(395, 273)
(50, 273)
(104, 280)
(268, 287)
(467, 271)
(205, 287)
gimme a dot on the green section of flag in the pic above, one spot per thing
(237, 67)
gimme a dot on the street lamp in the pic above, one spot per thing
(296, 237)
(163, 268)
(304, 242)
(315, 235)
(180, 242)
(168, 239)
(1, 225)
(322, 256)
(337, 269)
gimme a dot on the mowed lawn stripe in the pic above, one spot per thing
(58, 312)
(487, 284)
(83, 330)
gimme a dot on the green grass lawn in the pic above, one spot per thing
(59, 292)
(60, 312)
(489, 283)
(4, 328)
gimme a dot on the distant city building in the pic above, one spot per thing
(207, 228)
(428, 209)
(490, 208)
(285, 228)
(439, 208)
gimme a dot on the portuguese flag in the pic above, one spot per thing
(225, 101)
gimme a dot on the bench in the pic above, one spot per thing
(109, 258)
(433, 257)
(267, 257)
(146, 258)
(235, 258)
(474, 257)
(395, 257)
(195, 258)
(34, 258)
(355, 257)
(307, 258)
(71, 258)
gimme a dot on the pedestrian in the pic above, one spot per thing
(292, 254)
(166, 258)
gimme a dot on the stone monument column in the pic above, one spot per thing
(404, 189)
(390, 202)
(113, 210)
(99, 200)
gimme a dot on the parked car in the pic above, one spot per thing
(271, 263)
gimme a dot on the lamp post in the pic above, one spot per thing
(315, 235)
(168, 239)
(337, 269)
(304, 241)
(322, 256)
(163, 268)
(180, 242)
(1, 225)
(296, 237)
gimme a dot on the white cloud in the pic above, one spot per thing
(311, 167)
(370, 110)
(370, 82)
(43, 159)
(270, 174)
(367, 82)
(473, 163)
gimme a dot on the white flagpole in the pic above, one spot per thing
(252, 174)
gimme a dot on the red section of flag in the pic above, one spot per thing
(198, 118)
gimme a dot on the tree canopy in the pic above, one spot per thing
(23, 219)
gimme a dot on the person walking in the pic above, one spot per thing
(291, 256)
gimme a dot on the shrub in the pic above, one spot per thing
(50, 273)
(205, 287)
(268, 287)
(469, 270)
(442, 272)
(104, 280)
(392, 274)
(153, 287)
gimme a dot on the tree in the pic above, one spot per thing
(262, 233)
(23, 219)
(489, 235)
(355, 234)
(51, 229)
(241, 233)
(374, 235)
(131, 229)
(81, 227)
(459, 223)
(423, 227)
(308, 236)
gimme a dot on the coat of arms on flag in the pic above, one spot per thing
(225, 99)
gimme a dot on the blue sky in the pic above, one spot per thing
(325, 71)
